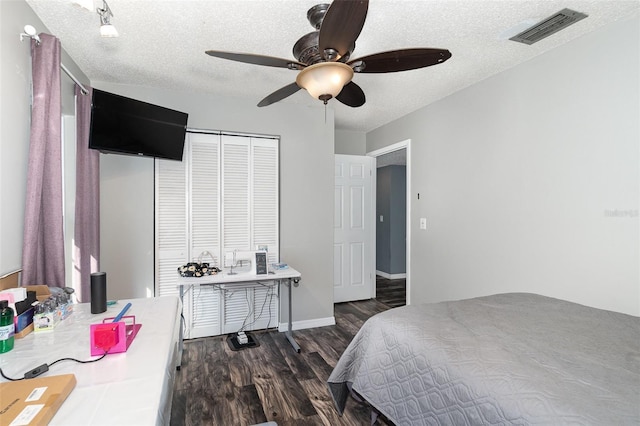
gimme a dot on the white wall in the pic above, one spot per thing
(529, 180)
(15, 122)
(306, 194)
(349, 142)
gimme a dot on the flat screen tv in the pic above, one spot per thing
(127, 126)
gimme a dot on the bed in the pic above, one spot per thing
(514, 358)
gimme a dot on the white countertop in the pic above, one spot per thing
(130, 388)
(241, 277)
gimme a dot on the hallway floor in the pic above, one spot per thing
(392, 293)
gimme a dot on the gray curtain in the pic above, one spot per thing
(43, 246)
(86, 250)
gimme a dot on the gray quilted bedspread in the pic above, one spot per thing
(513, 358)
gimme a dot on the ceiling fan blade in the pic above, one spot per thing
(351, 95)
(279, 94)
(341, 26)
(250, 58)
(399, 60)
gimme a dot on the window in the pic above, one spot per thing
(222, 197)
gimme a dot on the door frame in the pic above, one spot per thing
(405, 144)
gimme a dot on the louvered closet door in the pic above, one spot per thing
(250, 218)
(171, 224)
(265, 215)
(223, 197)
(250, 307)
(236, 230)
(203, 307)
(250, 194)
(205, 196)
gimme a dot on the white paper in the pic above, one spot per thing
(36, 394)
(27, 414)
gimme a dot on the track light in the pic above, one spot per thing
(106, 28)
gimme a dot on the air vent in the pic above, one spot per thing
(552, 24)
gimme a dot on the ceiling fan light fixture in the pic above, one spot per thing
(323, 56)
(325, 80)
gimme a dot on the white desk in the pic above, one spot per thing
(129, 388)
(288, 276)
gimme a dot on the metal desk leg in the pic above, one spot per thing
(181, 334)
(289, 333)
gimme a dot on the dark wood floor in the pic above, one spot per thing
(392, 293)
(218, 386)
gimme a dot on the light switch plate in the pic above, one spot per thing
(423, 223)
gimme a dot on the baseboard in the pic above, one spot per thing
(391, 276)
(304, 324)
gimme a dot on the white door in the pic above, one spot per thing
(353, 250)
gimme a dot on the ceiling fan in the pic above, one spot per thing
(323, 56)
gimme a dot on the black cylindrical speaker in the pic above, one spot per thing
(98, 292)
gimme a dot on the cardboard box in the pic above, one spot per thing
(46, 321)
(22, 333)
(24, 323)
(34, 401)
(11, 281)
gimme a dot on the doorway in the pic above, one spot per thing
(392, 189)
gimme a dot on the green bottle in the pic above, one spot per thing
(6, 327)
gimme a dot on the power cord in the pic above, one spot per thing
(45, 367)
(268, 295)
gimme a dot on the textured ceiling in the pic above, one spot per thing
(162, 44)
